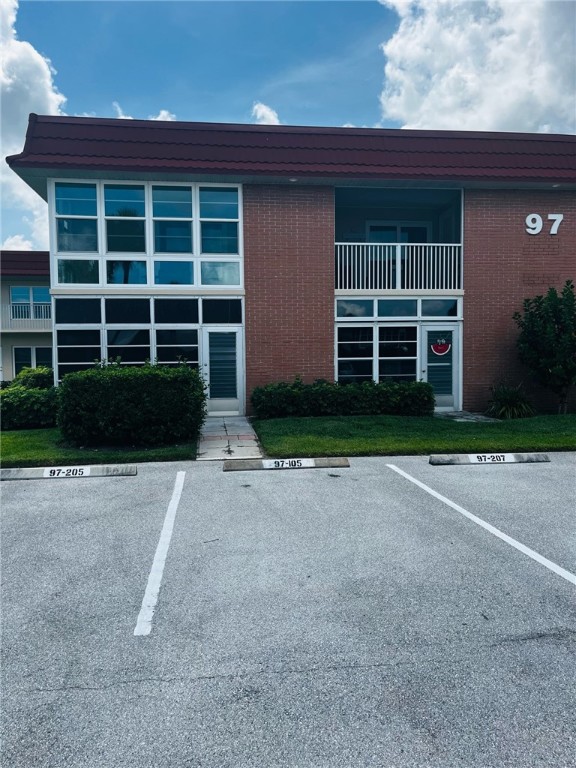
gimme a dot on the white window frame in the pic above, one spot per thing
(102, 256)
(32, 355)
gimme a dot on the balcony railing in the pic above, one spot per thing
(26, 317)
(398, 266)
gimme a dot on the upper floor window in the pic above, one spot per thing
(27, 302)
(147, 234)
(76, 217)
(125, 212)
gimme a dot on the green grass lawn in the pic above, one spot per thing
(45, 448)
(397, 435)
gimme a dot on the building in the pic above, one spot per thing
(25, 312)
(260, 253)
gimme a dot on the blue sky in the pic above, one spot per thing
(496, 65)
(315, 63)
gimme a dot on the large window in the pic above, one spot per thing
(117, 234)
(31, 357)
(76, 217)
(379, 353)
(136, 330)
(30, 302)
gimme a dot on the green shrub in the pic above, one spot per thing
(325, 398)
(125, 405)
(23, 408)
(509, 402)
(35, 378)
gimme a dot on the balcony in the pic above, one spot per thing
(26, 317)
(398, 266)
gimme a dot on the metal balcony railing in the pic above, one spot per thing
(26, 317)
(398, 266)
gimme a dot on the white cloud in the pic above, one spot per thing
(492, 65)
(264, 115)
(163, 115)
(27, 82)
(16, 243)
(120, 112)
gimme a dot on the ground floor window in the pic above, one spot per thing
(134, 331)
(31, 357)
(418, 351)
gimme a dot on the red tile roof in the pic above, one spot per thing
(144, 146)
(24, 263)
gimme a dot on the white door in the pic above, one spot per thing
(440, 364)
(222, 369)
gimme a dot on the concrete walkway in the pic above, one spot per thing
(227, 437)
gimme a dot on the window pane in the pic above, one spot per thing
(77, 338)
(44, 356)
(382, 233)
(218, 203)
(363, 349)
(41, 295)
(354, 308)
(129, 336)
(222, 311)
(22, 358)
(397, 334)
(398, 370)
(175, 354)
(173, 237)
(76, 199)
(129, 354)
(354, 370)
(78, 311)
(220, 273)
(355, 334)
(123, 200)
(177, 337)
(64, 369)
(78, 354)
(19, 295)
(219, 237)
(174, 273)
(398, 349)
(176, 310)
(440, 307)
(127, 311)
(126, 272)
(172, 202)
(78, 271)
(397, 307)
(125, 236)
(78, 235)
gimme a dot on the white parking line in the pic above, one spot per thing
(490, 528)
(144, 622)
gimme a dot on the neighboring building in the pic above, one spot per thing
(25, 312)
(260, 253)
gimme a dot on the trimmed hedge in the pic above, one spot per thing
(35, 378)
(25, 408)
(325, 398)
(125, 405)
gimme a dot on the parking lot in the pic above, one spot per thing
(310, 618)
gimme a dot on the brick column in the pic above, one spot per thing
(289, 280)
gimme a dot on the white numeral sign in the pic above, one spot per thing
(534, 223)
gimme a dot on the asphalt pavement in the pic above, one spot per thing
(308, 618)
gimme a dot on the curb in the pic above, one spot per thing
(489, 458)
(243, 465)
(69, 473)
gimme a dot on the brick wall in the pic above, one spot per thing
(289, 279)
(502, 266)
